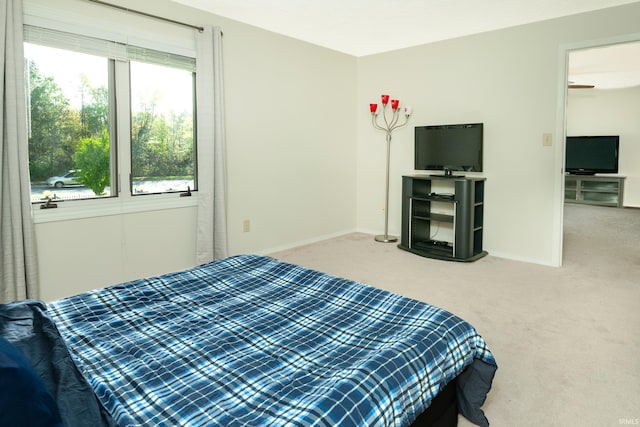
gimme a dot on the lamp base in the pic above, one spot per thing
(385, 239)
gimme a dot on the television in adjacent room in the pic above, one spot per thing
(588, 155)
(449, 148)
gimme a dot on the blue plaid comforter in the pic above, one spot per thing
(249, 340)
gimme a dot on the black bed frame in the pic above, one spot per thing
(443, 411)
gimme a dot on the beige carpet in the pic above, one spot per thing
(567, 340)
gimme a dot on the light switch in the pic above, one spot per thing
(547, 139)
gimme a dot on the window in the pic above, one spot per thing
(107, 120)
(69, 123)
(162, 129)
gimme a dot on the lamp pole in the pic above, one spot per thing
(390, 124)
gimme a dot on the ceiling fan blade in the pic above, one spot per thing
(575, 86)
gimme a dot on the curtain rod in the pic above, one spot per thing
(126, 9)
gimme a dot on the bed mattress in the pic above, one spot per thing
(249, 340)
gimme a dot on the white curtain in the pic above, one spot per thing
(212, 168)
(19, 269)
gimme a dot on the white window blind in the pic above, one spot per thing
(105, 48)
(114, 25)
(74, 42)
(142, 54)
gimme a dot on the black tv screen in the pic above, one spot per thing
(449, 147)
(588, 155)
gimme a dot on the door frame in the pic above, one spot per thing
(564, 52)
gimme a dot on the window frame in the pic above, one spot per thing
(122, 201)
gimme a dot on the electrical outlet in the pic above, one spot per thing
(246, 226)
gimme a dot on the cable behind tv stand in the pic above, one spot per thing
(437, 202)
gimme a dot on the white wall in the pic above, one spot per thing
(611, 112)
(78, 255)
(291, 134)
(508, 79)
(291, 131)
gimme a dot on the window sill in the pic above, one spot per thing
(82, 209)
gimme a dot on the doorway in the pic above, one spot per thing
(597, 79)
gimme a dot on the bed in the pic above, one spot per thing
(249, 340)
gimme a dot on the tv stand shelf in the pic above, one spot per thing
(594, 190)
(425, 208)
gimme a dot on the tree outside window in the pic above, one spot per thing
(72, 114)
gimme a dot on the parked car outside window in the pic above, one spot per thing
(69, 178)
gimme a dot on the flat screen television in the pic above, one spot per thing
(588, 155)
(449, 147)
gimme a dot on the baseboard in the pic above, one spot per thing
(303, 242)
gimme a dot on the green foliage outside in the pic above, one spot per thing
(55, 128)
(62, 137)
(162, 145)
(92, 158)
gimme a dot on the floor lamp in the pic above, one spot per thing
(390, 124)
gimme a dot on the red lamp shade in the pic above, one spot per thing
(385, 99)
(395, 103)
(373, 107)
